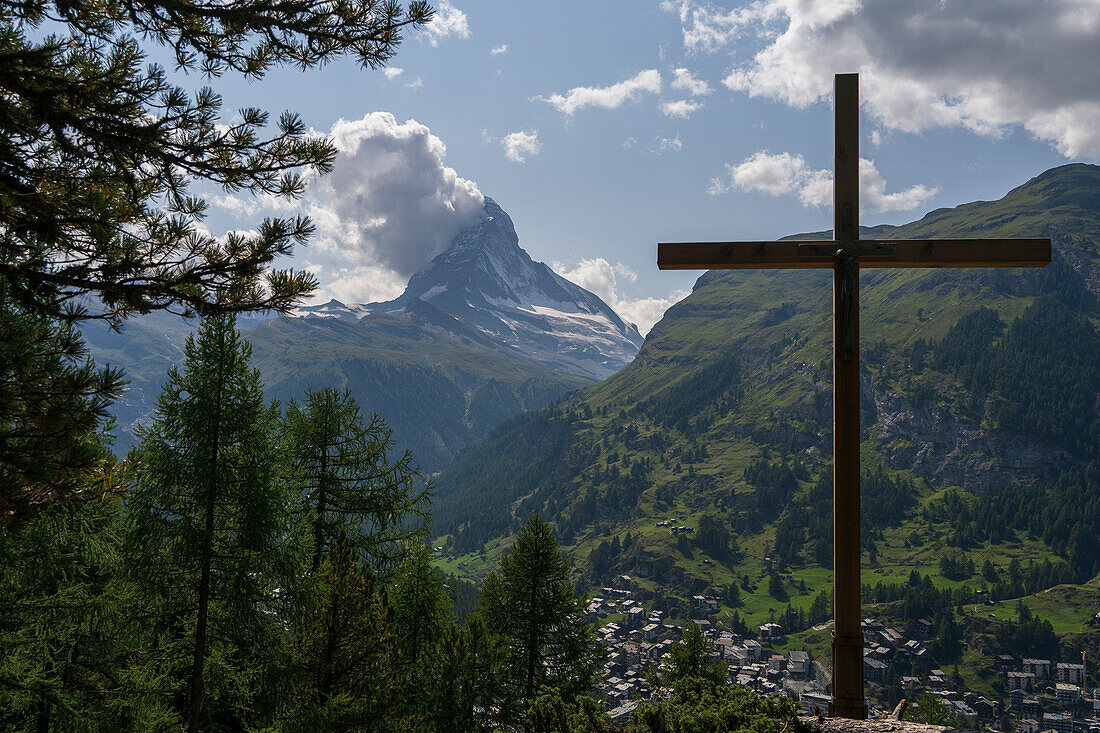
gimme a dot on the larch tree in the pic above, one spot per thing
(531, 603)
(468, 670)
(208, 529)
(66, 646)
(692, 656)
(350, 490)
(421, 612)
(348, 674)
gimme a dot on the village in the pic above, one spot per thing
(1041, 695)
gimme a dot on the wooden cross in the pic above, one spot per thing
(845, 253)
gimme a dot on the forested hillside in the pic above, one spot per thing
(709, 454)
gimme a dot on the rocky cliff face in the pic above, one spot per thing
(952, 450)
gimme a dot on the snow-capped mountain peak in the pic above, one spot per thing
(486, 281)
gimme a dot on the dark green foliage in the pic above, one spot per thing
(347, 672)
(932, 710)
(698, 399)
(715, 538)
(956, 567)
(702, 706)
(530, 602)
(550, 713)
(1030, 636)
(775, 484)
(692, 656)
(775, 587)
(1042, 372)
(207, 542)
(464, 596)
(68, 655)
(52, 404)
(350, 491)
(421, 612)
(547, 456)
(1064, 513)
(468, 676)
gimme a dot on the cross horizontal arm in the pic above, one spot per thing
(899, 253)
(740, 256)
(960, 253)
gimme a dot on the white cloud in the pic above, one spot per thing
(669, 144)
(707, 28)
(448, 21)
(390, 203)
(682, 108)
(415, 83)
(684, 80)
(498, 50)
(785, 174)
(603, 278)
(986, 67)
(393, 72)
(518, 145)
(611, 97)
(356, 283)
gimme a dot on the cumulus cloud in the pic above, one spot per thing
(610, 97)
(986, 67)
(682, 108)
(393, 72)
(448, 21)
(415, 83)
(518, 145)
(785, 174)
(684, 80)
(603, 278)
(390, 202)
(498, 50)
(707, 28)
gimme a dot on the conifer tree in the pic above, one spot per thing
(530, 602)
(66, 648)
(99, 147)
(99, 150)
(350, 491)
(692, 656)
(348, 672)
(421, 612)
(53, 402)
(207, 532)
(468, 678)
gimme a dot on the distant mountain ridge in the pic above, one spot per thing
(480, 334)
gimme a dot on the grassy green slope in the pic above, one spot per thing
(739, 373)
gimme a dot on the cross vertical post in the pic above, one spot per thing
(848, 700)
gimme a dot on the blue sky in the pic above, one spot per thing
(605, 127)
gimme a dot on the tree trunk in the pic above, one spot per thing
(319, 524)
(198, 659)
